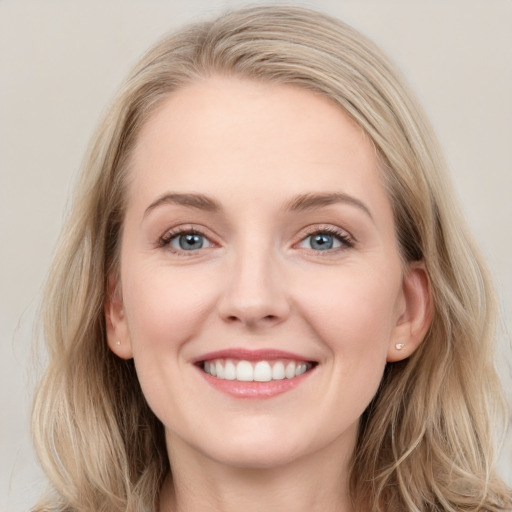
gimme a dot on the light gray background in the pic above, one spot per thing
(60, 63)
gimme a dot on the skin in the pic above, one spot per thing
(254, 148)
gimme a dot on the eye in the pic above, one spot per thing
(188, 242)
(326, 240)
(185, 241)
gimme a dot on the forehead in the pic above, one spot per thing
(228, 136)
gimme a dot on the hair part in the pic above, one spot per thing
(426, 440)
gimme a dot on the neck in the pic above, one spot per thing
(318, 482)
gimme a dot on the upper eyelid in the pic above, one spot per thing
(347, 241)
(188, 228)
(325, 228)
(172, 233)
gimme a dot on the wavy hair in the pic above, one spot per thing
(426, 441)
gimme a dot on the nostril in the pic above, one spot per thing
(251, 320)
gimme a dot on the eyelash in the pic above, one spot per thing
(165, 240)
(347, 242)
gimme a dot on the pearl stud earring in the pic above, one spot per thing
(118, 342)
(399, 346)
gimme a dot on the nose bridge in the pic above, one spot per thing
(254, 293)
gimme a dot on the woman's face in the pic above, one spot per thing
(262, 289)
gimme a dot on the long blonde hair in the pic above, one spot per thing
(426, 440)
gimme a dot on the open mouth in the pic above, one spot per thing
(255, 371)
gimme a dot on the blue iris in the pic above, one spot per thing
(190, 241)
(321, 241)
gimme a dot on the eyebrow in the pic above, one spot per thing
(198, 201)
(311, 201)
(300, 203)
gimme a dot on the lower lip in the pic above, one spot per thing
(258, 390)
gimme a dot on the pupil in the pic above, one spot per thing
(322, 242)
(191, 241)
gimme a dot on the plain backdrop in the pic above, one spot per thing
(60, 64)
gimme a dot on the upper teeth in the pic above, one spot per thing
(260, 371)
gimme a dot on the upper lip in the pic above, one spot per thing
(251, 355)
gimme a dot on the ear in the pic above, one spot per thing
(414, 315)
(118, 338)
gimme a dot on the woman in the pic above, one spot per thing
(264, 298)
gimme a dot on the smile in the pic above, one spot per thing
(255, 371)
(254, 374)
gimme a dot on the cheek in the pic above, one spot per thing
(355, 321)
(354, 314)
(163, 311)
(163, 307)
(354, 303)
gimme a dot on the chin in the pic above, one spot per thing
(260, 447)
(256, 456)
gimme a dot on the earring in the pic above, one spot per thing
(399, 346)
(118, 342)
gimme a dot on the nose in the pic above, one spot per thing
(254, 292)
